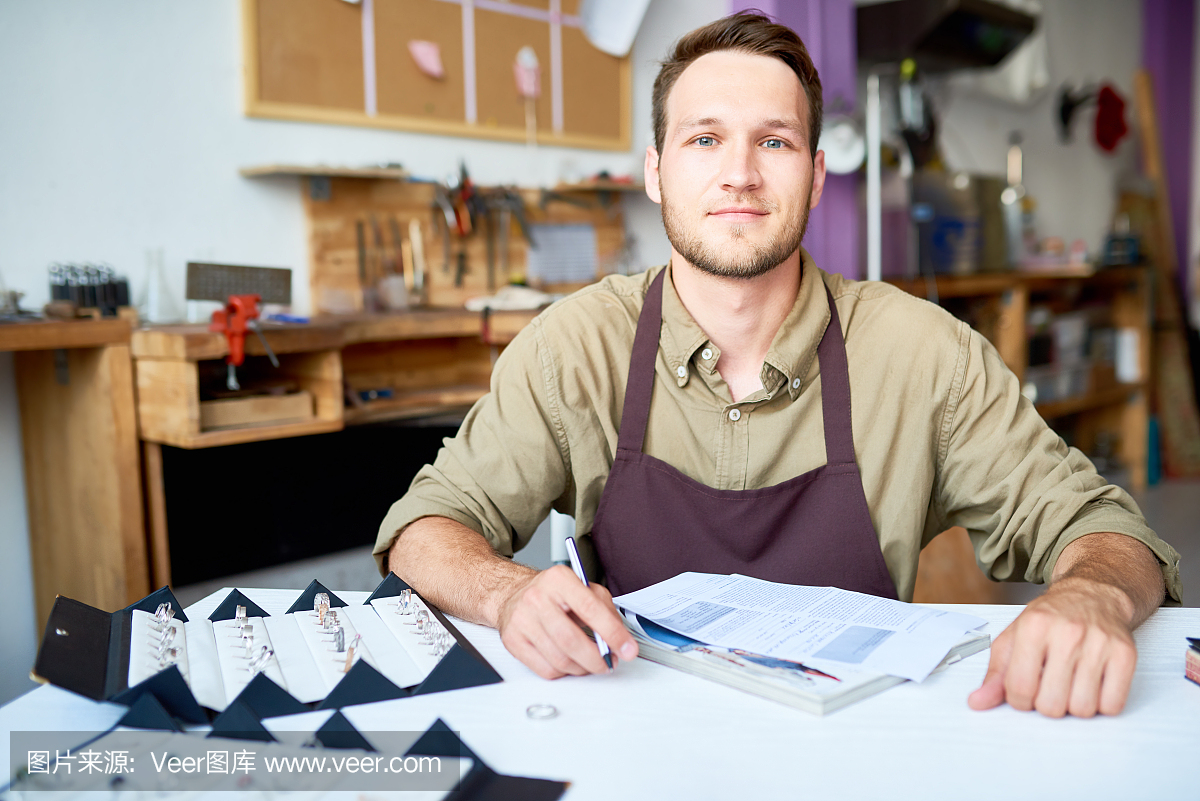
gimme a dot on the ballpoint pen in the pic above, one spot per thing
(577, 566)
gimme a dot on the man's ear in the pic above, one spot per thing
(818, 183)
(650, 175)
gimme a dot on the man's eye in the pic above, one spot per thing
(705, 141)
(773, 143)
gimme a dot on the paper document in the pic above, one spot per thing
(796, 622)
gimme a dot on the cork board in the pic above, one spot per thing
(348, 63)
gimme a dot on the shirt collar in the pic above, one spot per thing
(791, 352)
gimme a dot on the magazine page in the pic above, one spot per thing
(799, 623)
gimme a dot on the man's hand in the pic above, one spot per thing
(1072, 649)
(538, 625)
(538, 614)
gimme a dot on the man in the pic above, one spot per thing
(741, 411)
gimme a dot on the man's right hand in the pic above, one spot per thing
(538, 625)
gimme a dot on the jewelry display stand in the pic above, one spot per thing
(322, 653)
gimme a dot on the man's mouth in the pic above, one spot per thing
(738, 213)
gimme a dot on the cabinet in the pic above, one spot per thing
(356, 369)
(1099, 414)
(1102, 416)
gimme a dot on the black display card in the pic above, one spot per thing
(171, 691)
(440, 740)
(148, 713)
(266, 699)
(391, 586)
(305, 602)
(362, 685)
(160, 596)
(462, 666)
(483, 783)
(228, 608)
(238, 722)
(340, 733)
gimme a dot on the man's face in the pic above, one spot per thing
(735, 178)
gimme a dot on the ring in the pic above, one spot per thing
(541, 712)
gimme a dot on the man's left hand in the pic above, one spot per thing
(1071, 650)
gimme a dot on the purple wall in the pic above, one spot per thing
(1167, 31)
(827, 28)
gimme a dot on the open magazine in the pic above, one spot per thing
(814, 685)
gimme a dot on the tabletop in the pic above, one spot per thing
(37, 334)
(647, 731)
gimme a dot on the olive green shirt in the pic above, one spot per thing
(942, 434)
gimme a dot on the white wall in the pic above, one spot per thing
(1075, 185)
(16, 657)
(122, 133)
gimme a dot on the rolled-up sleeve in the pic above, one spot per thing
(1021, 493)
(502, 472)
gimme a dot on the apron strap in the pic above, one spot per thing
(640, 385)
(835, 390)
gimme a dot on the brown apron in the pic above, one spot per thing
(654, 522)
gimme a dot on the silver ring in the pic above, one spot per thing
(541, 711)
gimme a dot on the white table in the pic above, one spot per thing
(650, 732)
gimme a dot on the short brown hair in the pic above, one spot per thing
(744, 32)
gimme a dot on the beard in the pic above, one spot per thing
(737, 257)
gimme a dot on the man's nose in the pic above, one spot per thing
(739, 168)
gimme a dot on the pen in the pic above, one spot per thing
(577, 566)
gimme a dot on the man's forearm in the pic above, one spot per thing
(456, 569)
(1117, 561)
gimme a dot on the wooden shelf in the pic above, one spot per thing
(415, 324)
(418, 403)
(501, 326)
(237, 436)
(600, 186)
(1092, 400)
(194, 342)
(323, 171)
(981, 284)
(63, 334)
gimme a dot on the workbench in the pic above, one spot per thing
(82, 481)
(422, 363)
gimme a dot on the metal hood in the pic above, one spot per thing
(941, 35)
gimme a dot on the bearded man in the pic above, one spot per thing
(741, 411)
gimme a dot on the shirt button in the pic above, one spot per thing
(795, 383)
(735, 414)
(706, 354)
(681, 371)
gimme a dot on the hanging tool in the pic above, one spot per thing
(390, 288)
(490, 232)
(460, 268)
(361, 239)
(502, 230)
(398, 247)
(469, 208)
(239, 315)
(382, 264)
(444, 221)
(419, 267)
